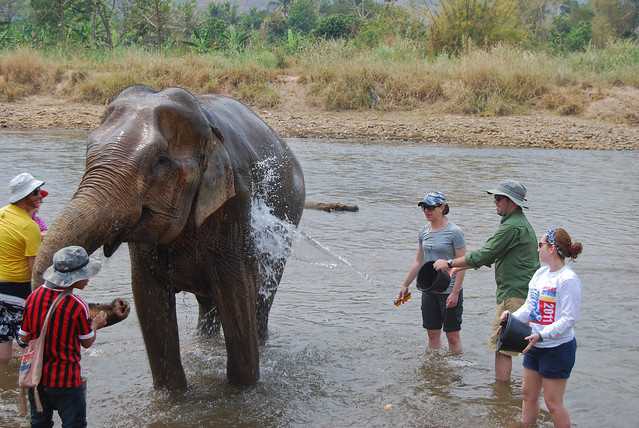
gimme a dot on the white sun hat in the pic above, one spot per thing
(21, 185)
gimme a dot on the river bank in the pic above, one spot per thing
(294, 118)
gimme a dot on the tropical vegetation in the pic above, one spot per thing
(471, 56)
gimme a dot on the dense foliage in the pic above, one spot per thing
(488, 57)
(449, 26)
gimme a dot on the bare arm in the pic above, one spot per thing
(412, 272)
(97, 323)
(453, 297)
(459, 262)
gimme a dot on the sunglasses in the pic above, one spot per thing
(541, 244)
(499, 198)
(36, 192)
(426, 208)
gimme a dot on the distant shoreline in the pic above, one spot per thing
(540, 130)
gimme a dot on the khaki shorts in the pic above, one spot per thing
(510, 304)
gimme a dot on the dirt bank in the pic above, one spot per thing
(295, 118)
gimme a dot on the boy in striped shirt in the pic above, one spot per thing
(62, 387)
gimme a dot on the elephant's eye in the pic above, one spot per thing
(163, 162)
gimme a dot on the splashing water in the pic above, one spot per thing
(272, 238)
(334, 255)
(271, 235)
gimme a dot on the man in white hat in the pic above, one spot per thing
(513, 250)
(19, 244)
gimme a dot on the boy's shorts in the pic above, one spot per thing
(552, 363)
(435, 314)
(10, 321)
(510, 304)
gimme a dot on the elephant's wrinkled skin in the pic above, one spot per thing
(175, 176)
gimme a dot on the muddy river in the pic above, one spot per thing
(339, 352)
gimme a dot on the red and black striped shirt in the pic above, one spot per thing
(68, 324)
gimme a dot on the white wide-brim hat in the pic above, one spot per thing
(70, 265)
(22, 185)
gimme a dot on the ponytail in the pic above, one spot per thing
(565, 246)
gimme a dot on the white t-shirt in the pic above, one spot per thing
(552, 306)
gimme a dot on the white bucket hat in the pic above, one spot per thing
(21, 185)
(70, 265)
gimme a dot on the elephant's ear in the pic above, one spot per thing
(217, 184)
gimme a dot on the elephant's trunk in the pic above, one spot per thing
(89, 221)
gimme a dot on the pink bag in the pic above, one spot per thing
(30, 370)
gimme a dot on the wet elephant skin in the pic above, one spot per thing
(174, 176)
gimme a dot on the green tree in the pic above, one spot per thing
(567, 37)
(620, 16)
(388, 23)
(187, 18)
(63, 18)
(274, 28)
(303, 15)
(281, 6)
(336, 26)
(252, 20)
(147, 21)
(572, 29)
(536, 15)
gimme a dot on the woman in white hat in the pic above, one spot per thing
(19, 244)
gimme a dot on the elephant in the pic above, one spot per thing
(179, 177)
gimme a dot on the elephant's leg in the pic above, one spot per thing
(208, 323)
(155, 306)
(265, 298)
(235, 298)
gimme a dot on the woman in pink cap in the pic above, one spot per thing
(34, 215)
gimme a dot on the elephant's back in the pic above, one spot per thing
(233, 117)
(253, 143)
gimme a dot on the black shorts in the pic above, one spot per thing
(552, 363)
(436, 315)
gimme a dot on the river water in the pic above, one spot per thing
(339, 352)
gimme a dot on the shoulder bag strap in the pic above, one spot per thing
(43, 330)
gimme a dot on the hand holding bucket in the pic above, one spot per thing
(431, 280)
(513, 334)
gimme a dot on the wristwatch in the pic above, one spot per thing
(449, 262)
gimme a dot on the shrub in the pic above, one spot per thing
(25, 72)
(494, 82)
(457, 24)
(336, 26)
(569, 38)
(257, 94)
(389, 24)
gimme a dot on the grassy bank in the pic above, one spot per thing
(338, 76)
